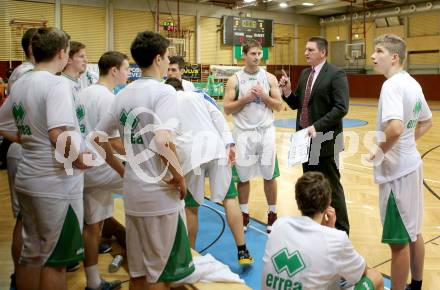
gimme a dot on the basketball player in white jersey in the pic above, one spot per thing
(307, 252)
(50, 194)
(145, 113)
(206, 148)
(76, 66)
(14, 152)
(251, 96)
(100, 182)
(176, 70)
(403, 117)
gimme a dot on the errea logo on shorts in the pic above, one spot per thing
(80, 251)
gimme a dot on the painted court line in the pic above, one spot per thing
(222, 213)
(5, 198)
(356, 165)
(432, 180)
(366, 167)
(258, 230)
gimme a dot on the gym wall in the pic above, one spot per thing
(88, 25)
(422, 36)
(23, 10)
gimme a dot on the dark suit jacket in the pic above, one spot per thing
(327, 106)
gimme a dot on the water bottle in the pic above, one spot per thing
(115, 264)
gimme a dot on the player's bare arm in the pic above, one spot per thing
(70, 147)
(272, 100)
(117, 145)
(13, 137)
(422, 127)
(167, 151)
(110, 157)
(392, 133)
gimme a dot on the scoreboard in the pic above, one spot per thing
(237, 30)
(168, 26)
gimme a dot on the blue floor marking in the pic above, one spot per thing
(387, 283)
(225, 249)
(291, 123)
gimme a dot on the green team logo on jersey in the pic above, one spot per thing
(291, 263)
(80, 114)
(123, 118)
(417, 107)
(19, 113)
(416, 111)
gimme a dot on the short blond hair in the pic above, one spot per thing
(394, 44)
(251, 44)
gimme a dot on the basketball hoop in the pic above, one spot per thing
(177, 46)
(354, 51)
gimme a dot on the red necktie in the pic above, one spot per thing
(304, 117)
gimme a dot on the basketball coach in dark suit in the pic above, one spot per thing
(321, 99)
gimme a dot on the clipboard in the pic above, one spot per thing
(299, 148)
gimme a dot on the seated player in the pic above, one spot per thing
(307, 252)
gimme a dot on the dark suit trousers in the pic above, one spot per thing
(327, 166)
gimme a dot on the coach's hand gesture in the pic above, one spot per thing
(284, 83)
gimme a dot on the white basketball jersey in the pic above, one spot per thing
(302, 254)
(255, 114)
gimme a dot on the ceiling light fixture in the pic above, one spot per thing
(248, 1)
(283, 4)
(308, 4)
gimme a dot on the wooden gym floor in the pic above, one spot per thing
(360, 191)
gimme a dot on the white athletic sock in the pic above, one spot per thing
(273, 208)
(244, 207)
(92, 275)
